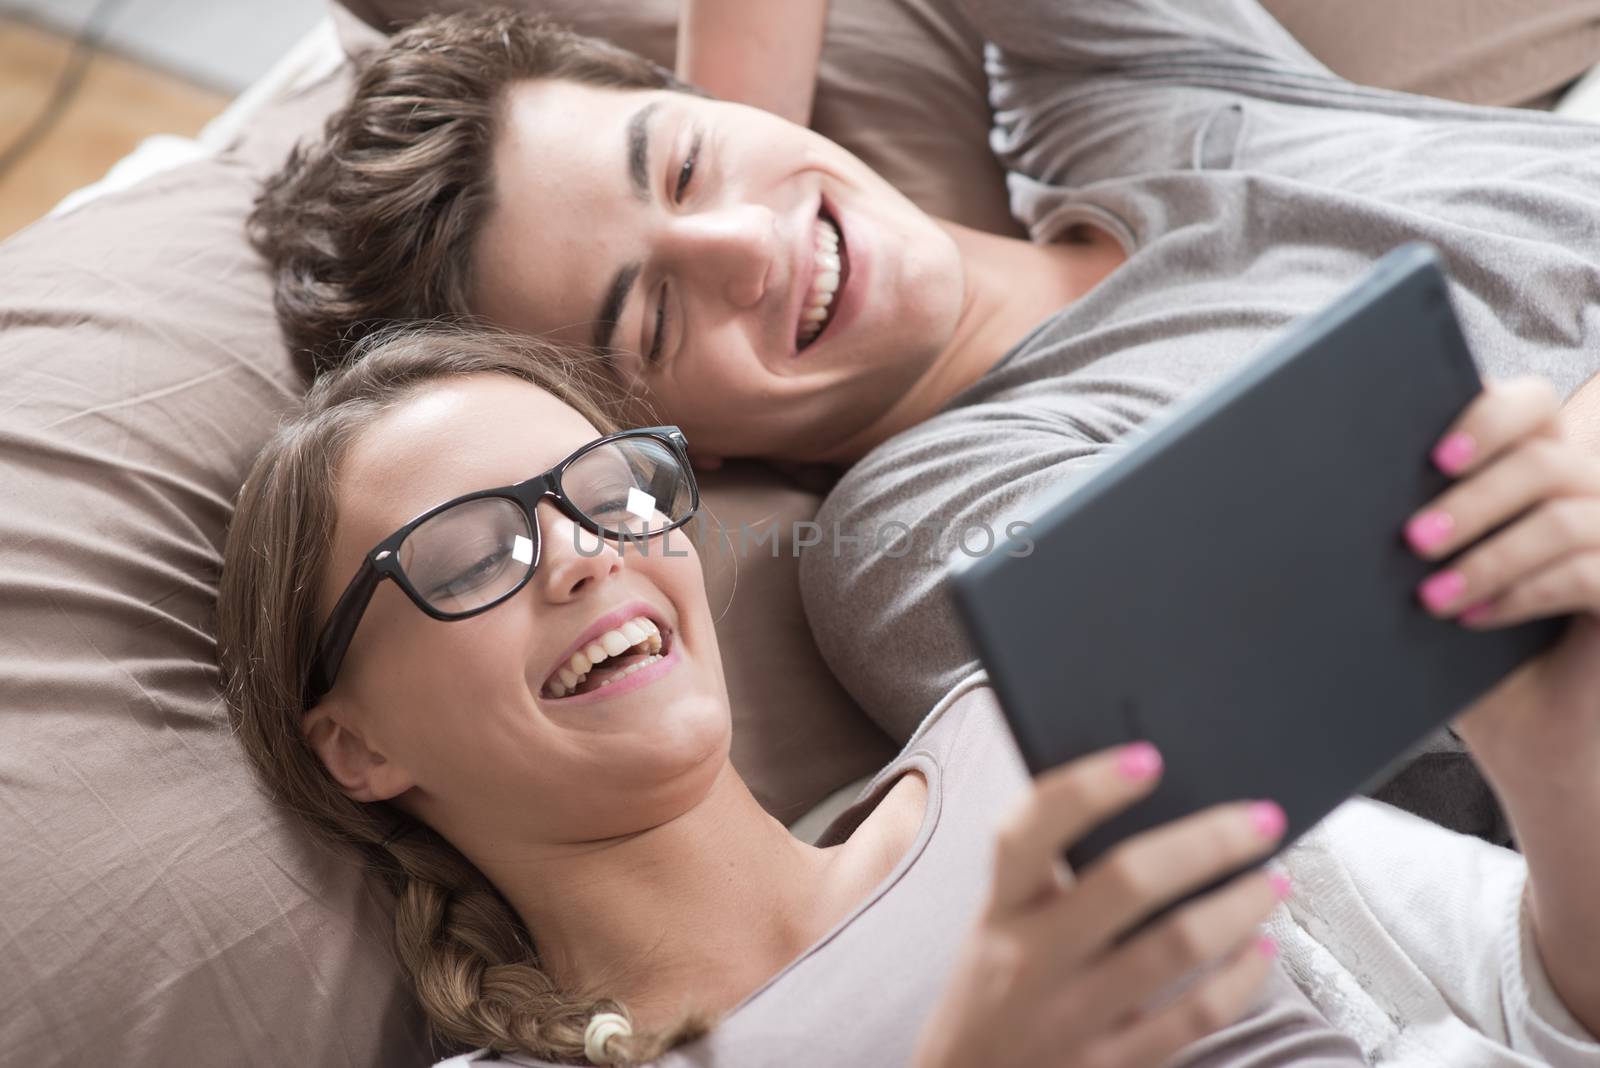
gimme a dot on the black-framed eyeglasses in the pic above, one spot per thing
(469, 554)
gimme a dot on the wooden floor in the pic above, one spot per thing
(118, 105)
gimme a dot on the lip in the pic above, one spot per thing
(847, 300)
(638, 679)
(609, 621)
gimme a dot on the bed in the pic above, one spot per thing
(158, 909)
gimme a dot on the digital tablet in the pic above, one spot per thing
(1235, 587)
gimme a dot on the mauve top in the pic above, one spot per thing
(861, 995)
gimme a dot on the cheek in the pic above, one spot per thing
(720, 394)
(476, 743)
(677, 565)
(472, 660)
(720, 357)
(461, 687)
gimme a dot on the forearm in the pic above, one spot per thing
(1545, 767)
(1551, 794)
(758, 52)
(1553, 813)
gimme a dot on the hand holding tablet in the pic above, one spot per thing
(1049, 965)
(1238, 589)
(1522, 524)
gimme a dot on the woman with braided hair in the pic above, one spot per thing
(458, 637)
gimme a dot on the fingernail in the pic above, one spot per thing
(1139, 761)
(1268, 819)
(1429, 529)
(1440, 591)
(1454, 453)
(1280, 885)
(1477, 613)
(1268, 946)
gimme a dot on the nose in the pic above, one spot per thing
(732, 246)
(572, 561)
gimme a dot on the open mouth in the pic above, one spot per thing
(604, 659)
(827, 281)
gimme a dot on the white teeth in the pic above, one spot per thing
(824, 282)
(625, 672)
(639, 635)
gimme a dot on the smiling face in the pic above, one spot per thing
(769, 292)
(479, 733)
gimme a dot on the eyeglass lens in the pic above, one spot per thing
(478, 551)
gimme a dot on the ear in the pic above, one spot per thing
(361, 771)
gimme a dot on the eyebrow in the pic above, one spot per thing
(637, 149)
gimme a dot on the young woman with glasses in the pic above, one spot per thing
(463, 633)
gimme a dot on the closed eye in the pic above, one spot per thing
(685, 177)
(471, 576)
(686, 172)
(661, 326)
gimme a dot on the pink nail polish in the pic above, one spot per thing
(1454, 453)
(1268, 819)
(1477, 613)
(1139, 761)
(1280, 885)
(1429, 529)
(1440, 591)
(1267, 946)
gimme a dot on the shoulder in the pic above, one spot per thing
(967, 720)
(983, 452)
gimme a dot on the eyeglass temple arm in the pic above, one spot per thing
(340, 630)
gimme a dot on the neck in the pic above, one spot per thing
(1011, 286)
(694, 914)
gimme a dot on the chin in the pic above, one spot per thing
(635, 782)
(687, 741)
(703, 734)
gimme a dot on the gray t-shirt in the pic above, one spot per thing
(861, 995)
(1249, 186)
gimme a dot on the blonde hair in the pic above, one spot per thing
(469, 958)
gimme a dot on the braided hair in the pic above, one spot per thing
(470, 960)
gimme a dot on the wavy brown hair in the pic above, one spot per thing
(469, 958)
(377, 221)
